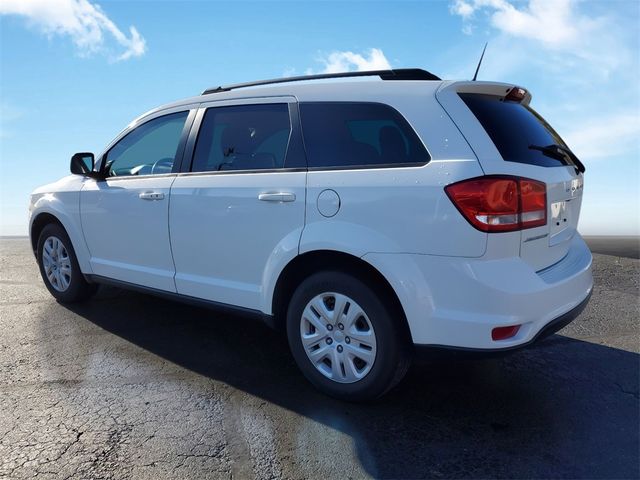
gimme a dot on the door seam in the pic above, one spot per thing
(173, 260)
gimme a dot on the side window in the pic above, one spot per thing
(244, 137)
(345, 134)
(148, 149)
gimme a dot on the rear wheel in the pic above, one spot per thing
(344, 338)
(59, 266)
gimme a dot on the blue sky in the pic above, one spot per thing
(73, 73)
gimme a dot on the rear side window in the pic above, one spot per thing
(514, 127)
(244, 137)
(352, 135)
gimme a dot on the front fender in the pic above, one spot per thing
(64, 206)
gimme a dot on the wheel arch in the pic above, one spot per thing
(304, 265)
(37, 225)
(47, 214)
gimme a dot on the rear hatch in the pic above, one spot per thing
(510, 138)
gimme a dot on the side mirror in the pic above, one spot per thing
(82, 163)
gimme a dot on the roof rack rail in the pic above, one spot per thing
(398, 74)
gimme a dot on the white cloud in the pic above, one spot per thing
(289, 72)
(462, 8)
(553, 22)
(467, 29)
(86, 23)
(338, 61)
(608, 136)
(557, 25)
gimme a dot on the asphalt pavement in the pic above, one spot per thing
(132, 386)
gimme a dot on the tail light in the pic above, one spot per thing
(500, 203)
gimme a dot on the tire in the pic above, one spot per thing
(348, 362)
(69, 285)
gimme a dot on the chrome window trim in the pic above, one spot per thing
(132, 177)
(243, 172)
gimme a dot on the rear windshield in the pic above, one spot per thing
(513, 128)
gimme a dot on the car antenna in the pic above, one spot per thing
(480, 62)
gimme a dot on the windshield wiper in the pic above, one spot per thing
(560, 152)
(576, 161)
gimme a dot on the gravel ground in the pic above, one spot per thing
(131, 386)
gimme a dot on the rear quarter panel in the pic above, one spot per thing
(398, 210)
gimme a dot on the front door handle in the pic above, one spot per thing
(277, 197)
(151, 196)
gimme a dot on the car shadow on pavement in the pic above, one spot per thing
(563, 408)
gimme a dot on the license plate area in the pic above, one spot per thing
(561, 224)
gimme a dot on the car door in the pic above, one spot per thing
(238, 213)
(125, 215)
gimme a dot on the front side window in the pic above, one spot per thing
(346, 134)
(149, 149)
(243, 137)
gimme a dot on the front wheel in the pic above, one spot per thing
(59, 266)
(344, 338)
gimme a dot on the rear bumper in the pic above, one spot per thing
(457, 302)
(430, 351)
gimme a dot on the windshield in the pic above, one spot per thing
(514, 128)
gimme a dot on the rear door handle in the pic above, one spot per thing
(151, 196)
(277, 197)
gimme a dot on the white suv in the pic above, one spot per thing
(367, 218)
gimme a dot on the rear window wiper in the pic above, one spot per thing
(560, 152)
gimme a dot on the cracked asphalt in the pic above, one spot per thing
(132, 386)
